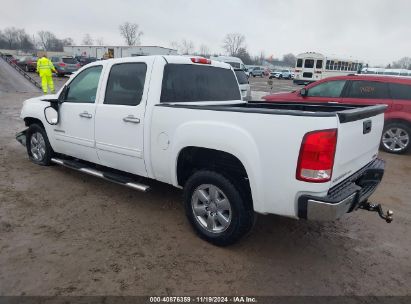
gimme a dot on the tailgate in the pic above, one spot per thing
(359, 135)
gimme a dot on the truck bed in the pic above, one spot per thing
(345, 112)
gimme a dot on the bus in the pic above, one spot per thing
(313, 66)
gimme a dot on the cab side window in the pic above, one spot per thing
(327, 89)
(368, 90)
(83, 88)
(125, 84)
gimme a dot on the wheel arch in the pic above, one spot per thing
(32, 120)
(191, 159)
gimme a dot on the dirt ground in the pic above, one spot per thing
(67, 233)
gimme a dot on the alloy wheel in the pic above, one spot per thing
(37, 146)
(395, 139)
(211, 208)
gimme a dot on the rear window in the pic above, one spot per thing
(400, 91)
(69, 60)
(241, 77)
(299, 63)
(368, 89)
(309, 63)
(191, 83)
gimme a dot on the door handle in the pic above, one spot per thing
(132, 119)
(85, 114)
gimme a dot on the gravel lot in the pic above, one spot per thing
(66, 233)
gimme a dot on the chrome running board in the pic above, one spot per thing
(112, 177)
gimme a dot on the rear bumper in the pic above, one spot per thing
(345, 197)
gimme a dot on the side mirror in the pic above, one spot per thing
(304, 92)
(51, 115)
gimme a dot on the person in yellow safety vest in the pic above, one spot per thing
(45, 68)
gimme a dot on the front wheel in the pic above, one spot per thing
(38, 145)
(396, 138)
(216, 208)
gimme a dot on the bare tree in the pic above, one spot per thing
(187, 47)
(289, 59)
(67, 41)
(403, 63)
(100, 41)
(87, 40)
(47, 40)
(10, 35)
(174, 45)
(243, 54)
(130, 33)
(262, 57)
(204, 50)
(24, 41)
(233, 42)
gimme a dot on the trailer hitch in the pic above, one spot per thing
(388, 217)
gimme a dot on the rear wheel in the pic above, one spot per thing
(38, 145)
(216, 208)
(396, 138)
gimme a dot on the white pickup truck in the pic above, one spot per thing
(181, 121)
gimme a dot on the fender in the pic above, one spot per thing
(226, 138)
(34, 108)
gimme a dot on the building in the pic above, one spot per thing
(105, 51)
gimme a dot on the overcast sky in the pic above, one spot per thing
(377, 31)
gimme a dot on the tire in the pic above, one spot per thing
(253, 75)
(396, 138)
(38, 145)
(26, 68)
(219, 223)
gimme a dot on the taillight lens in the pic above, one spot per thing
(316, 159)
(78, 65)
(62, 64)
(200, 60)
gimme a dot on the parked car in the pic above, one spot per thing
(281, 74)
(257, 71)
(65, 65)
(85, 60)
(182, 121)
(365, 89)
(243, 83)
(9, 58)
(27, 63)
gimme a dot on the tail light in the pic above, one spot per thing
(316, 159)
(297, 71)
(62, 64)
(78, 65)
(200, 60)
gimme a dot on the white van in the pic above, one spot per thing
(235, 62)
